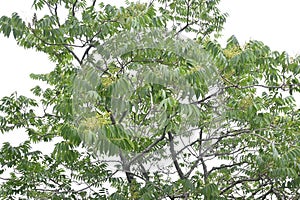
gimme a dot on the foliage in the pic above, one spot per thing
(246, 148)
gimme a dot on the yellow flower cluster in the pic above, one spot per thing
(232, 51)
(96, 121)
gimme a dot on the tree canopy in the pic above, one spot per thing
(148, 105)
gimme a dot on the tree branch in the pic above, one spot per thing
(85, 54)
(144, 172)
(73, 54)
(200, 158)
(126, 168)
(187, 18)
(238, 182)
(208, 97)
(73, 8)
(94, 3)
(148, 148)
(225, 166)
(173, 155)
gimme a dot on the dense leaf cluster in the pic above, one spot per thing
(242, 128)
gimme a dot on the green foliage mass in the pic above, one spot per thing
(242, 129)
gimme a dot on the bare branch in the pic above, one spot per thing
(104, 179)
(187, 18)
(73, 8)
(200, 158)
(139, 155)
(283, 86)
(56, 14)
(225, 166)
(85, 54)
(126, 168)
(56, 44)
(228, 134)
(5, 179)
(173, 155)
(94, 3)
(144, 172)
(73, 54)
(219, 92)
(151, 3)
(238, 182)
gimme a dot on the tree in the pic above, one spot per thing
(179, 118)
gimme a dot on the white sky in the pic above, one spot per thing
(275, 22)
